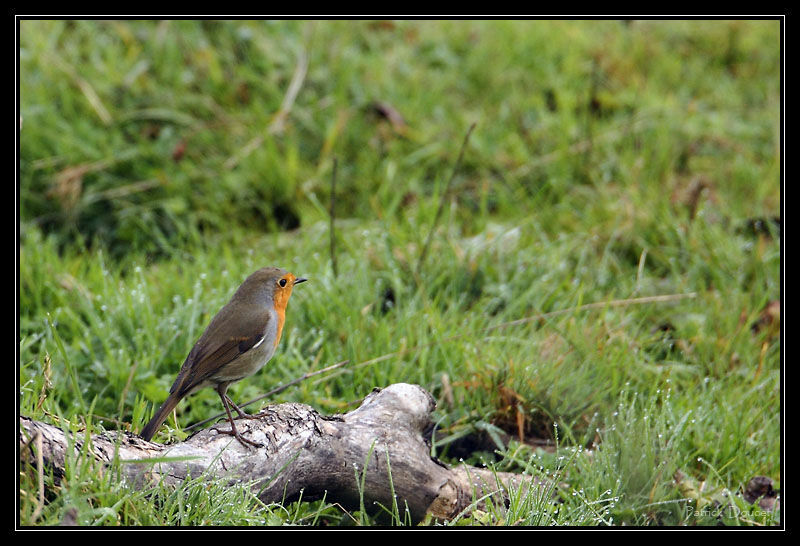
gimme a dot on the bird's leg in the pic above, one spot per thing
(240, 411)
(233, 432)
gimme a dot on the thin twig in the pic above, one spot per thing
(274, 391)
(596, 305)
(333, 217)
(524, 320)
(443, 199)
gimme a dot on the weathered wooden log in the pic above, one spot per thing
(305, 452)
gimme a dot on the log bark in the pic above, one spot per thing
(385, 443)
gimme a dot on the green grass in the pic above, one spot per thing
(142, 209)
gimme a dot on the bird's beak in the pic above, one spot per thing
(299, 280)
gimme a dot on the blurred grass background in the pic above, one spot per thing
(163, 161)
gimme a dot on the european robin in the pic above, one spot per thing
(240, 339)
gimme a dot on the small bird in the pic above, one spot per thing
(240, 339)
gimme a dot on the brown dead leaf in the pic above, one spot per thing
(520, 423)
(770, 318)
(409, 198)
(179, 150)
(760, 488)
(742, 317)
(386, 111)
(68, 185)
(382, 25)
(688, 193)
(243, 93)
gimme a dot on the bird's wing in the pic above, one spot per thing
(223, 341)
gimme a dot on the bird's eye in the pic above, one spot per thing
(282, 283)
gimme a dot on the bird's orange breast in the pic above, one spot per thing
(281, 319)
(281, 300)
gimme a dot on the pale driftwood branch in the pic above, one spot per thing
(305, 452)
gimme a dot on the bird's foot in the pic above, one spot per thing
(242, 440)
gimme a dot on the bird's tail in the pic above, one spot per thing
(161, 415)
